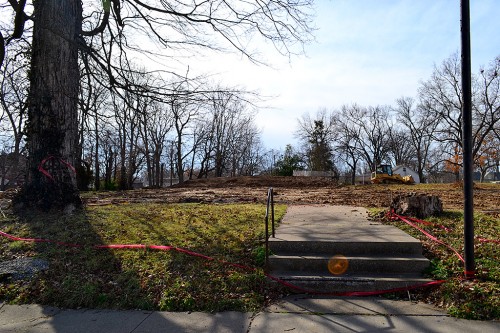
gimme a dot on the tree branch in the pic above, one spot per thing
(19, 20)
(116, 10)
(2, 48)
(100, 28)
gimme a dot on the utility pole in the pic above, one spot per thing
(467, 141)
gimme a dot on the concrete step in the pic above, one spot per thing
(348, 247)
(380, 257)
(350, 282)
(356, 264)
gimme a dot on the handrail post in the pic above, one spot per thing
(266, 264)
(272, 211)
(270, 202)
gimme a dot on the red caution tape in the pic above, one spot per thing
(484, 240)
(191, 253)
(41, 166)
(393, 216)
(469, 274)
(430, 236)
(120, 246)
(428, 223)
(37, 240)
(160, 247)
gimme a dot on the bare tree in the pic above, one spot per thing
(347, 139)
(13, 99)
(127, 116)
(489, 156)
(109, 156)
(488, 120)
(400, 150)
(13, 113)
(227, 137)
(369, 126)
(420, 125)
(245, 149)
(205, 149)
(61, 29)
(441, 97)
(184, 115)
(94, 103)
(374, 135)
(155, 126)
(224, 121)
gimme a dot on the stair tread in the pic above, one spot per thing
(351, 283)
(349, 257)
(327, 238)
(304, 276)
(346, 247)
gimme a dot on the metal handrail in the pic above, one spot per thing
(270, 204)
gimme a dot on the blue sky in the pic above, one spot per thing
(367, 52)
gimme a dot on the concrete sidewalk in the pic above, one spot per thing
(339, 224)
(293, 314)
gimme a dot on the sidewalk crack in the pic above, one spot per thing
(252, 318)
(142, 321)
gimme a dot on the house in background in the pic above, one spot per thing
(405, 171)
(400, 169)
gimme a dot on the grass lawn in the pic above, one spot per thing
(476, 299)
(144, 278)
(174, 281)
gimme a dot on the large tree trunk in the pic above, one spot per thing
(52, 131)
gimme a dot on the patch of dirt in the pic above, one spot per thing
(299, 190)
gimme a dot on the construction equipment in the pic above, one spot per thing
(383, 175)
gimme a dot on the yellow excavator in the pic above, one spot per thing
(383, 175)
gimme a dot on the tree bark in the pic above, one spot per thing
(52, 130)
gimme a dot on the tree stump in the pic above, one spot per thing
(417, 205)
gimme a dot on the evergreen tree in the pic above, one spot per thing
(289, 162)
(320, 157)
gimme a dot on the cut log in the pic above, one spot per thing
(417, 205)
